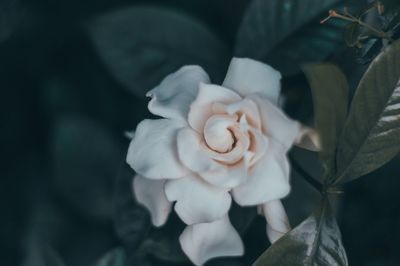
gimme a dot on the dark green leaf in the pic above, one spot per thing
(131, 220)
(86, 158)
(371, 135)
(52, 258)
(287, 33)
(163, 243)
(115, 257)
(330, 94)
(12, 12)
(242, 217)
(41, 254)
(141, 45)
(315, 242)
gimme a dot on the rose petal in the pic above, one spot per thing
(247, 76)
(228, 176)
(192, 154)
(173, 97)
(246, 107)
(275, 123)
(258, 145)
(151, 194)
(308, 138)
(195, 156)
(201, 109)
(267, 180)
(152, 152)
(277, 220)
(196, 200)
(205, 241)
(217, 133)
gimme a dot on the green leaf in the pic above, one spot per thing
(51, 257)
(163, 243)
(115, 257)
(131, 220)
(12, 14)
(371, 136)
(330, 95)
(141, 45)
(242, 217)
(315, 242)
(287, 33)
(86, 157)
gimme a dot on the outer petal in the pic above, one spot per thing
(308, 138)
(205, 241)
(275, 123)
(247, 76)
(196, 200)
(151, 194)
(201, 109)
(277, 220)
(172, 98)
(152, 152)
(267, 180)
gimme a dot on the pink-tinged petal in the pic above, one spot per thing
(308, 138)
(277, 220)
(196, 200)
(248, 108)
(228, 176)
(205, 241)
(173, 97)
(258, 145)
(191, 153)
(217, 132)
(151, 194)
(267, 180)
(236, 153)
(201, 109)
(153, 153)
(275, 123)
(247, 76)
(196, 156)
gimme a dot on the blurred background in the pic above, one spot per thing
(73, 75)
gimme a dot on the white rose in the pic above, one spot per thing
(214, 144)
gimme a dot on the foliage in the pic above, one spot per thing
(73, 78)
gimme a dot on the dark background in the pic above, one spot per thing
(73, 75)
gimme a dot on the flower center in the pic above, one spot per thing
(217, 133)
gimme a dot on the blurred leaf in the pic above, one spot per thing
(330, 95)
(115, 257)
(86, 157)
(315, 242)
(242, 217)
(131, 220)
(287, 33)
(40, 254)
(12, 13)
(371, 135)
(52, 258)
(163, 243)
(141, 45)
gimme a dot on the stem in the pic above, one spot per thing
(378, 32)
(307, 177)
(348, 17)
